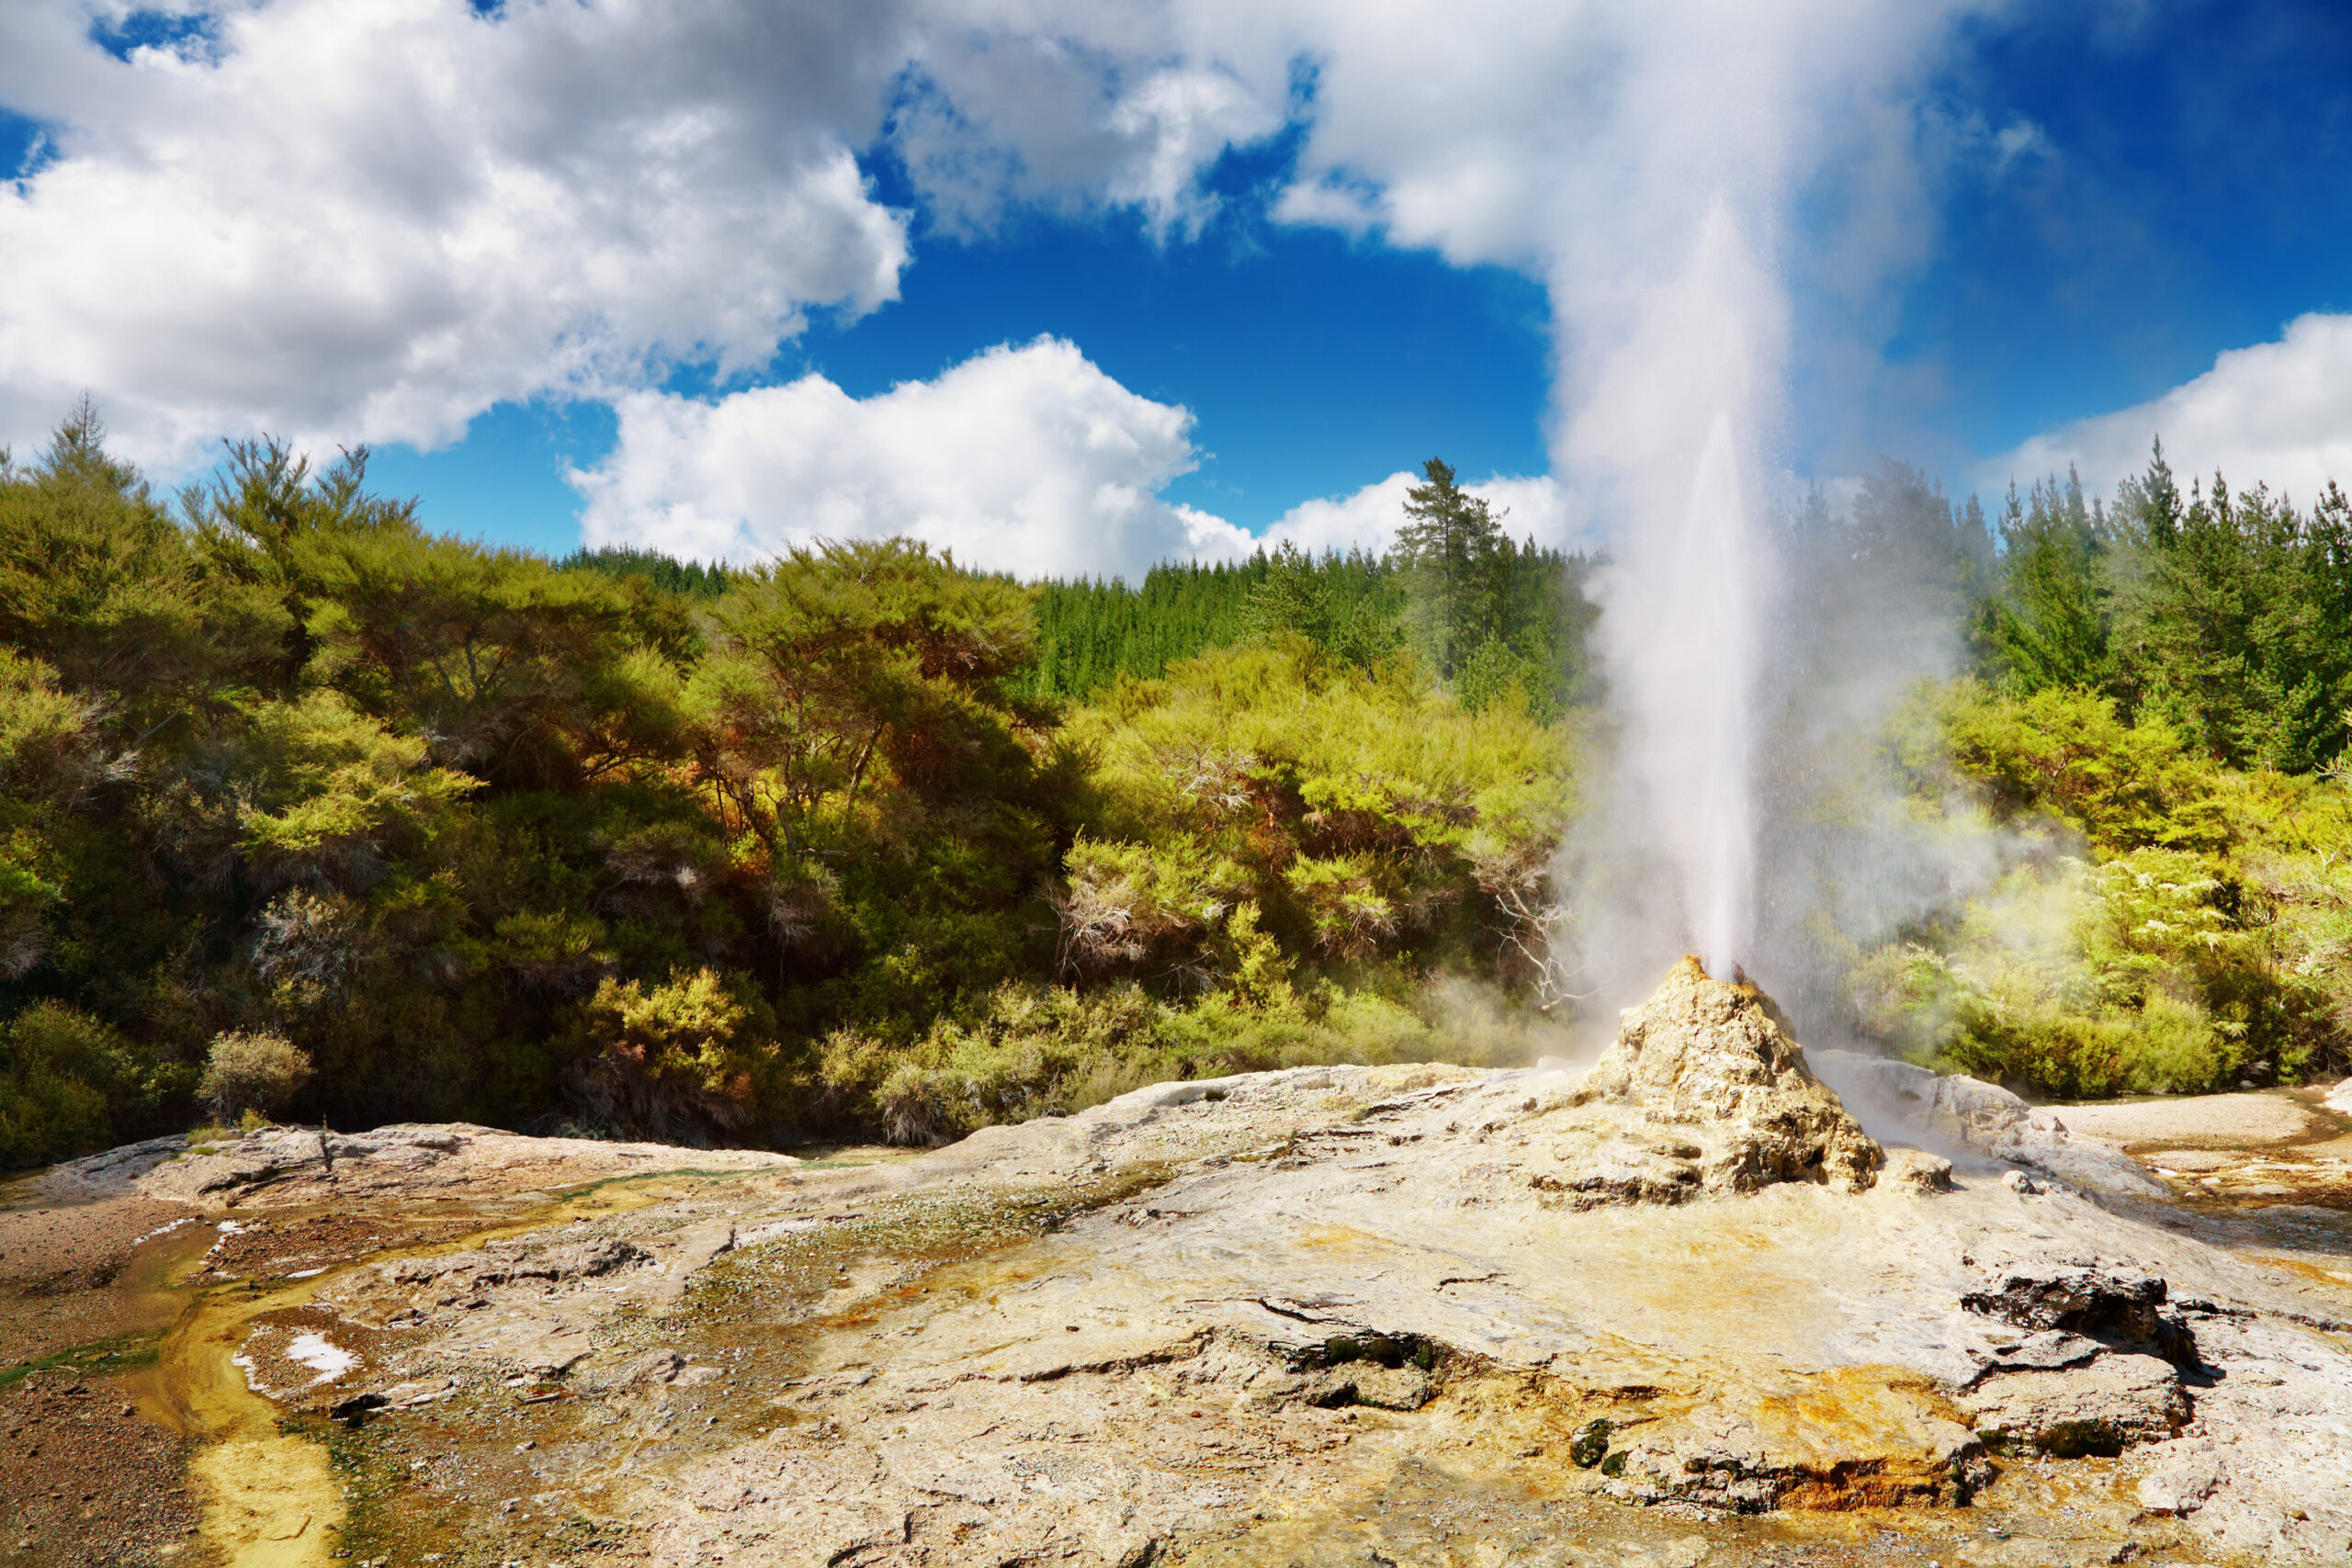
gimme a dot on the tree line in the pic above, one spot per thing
(1487, 613)
(2226, 613)
(308, 810)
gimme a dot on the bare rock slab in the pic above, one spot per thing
(1680, 1297)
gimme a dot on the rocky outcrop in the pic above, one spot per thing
(1848, 1439)
(113, 1173)
(2118, 1308)
(1716, 1058)
(2179, 1490)
(2098, 1369)
(2103, 1406)
(466, 1276)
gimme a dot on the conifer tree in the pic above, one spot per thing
(1451, 549)
(2050, 624)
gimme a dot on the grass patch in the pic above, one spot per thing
(100, 1357)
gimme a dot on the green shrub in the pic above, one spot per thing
(2198, 939)
(1357, 815)
(252, 1072)
(681, 1059)
(1037, 1050)
(2088, 981)
(2067, 753)
(63, 1076)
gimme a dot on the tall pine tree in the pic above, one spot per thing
(1451, 547)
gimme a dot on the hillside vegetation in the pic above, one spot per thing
(2163, 713)
(307, 812)
(451, 831)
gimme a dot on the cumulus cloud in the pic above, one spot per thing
(2278, 412)
(372, 219)
(1583, 141)
(1539, 507)
(1024, 459)
(1027, 459)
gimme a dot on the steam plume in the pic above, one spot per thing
(1677, 339)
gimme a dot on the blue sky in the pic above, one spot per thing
(2189, 191)
(2195, 194)
(1274, 259)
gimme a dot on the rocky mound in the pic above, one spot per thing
(1963, 1113)
(1715, 1058)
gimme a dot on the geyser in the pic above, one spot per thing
(1675, 420)
(1710, 655)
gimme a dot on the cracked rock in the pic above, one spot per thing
(2122, 1309)
(2176, 1490)
(2103, 1407)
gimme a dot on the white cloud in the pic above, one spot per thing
(1368, 519)
(1636, 155)
(1026, 459)
(2279, 412)
(372, 219)
(349, 220)
(1077, 113)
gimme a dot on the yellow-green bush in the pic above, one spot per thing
(248, 1072)
(2195, 939)
(679, 1059)
(1051, 1050)
(65, 1077)
(1356, 814)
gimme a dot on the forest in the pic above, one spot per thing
(309, 813)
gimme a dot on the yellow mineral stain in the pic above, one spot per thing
(266, 1498)
(1341, 1239)
(271, 1499)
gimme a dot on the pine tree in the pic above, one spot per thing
(1451, 549)
(2050, 624)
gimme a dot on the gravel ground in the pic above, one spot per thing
(90, 1479)
(281, 1247)
(60, 1270)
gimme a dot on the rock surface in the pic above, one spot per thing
(1966, 1114)
(2119, 1309)
(2269, 1116)
(1233, 1321)
(282, 1167)
(1681, 1309)
(2107, 1404)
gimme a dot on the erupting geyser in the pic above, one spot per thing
(1675, 420)
(1712, 629)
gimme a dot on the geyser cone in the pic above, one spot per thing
(1720, 1056)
